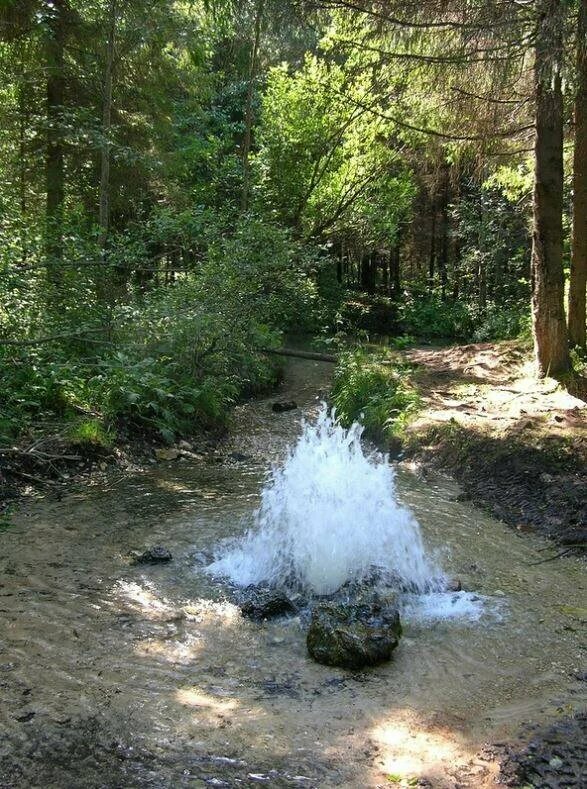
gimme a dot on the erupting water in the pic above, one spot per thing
(329, 515)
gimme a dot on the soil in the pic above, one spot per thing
(556, 756)
(517, 445)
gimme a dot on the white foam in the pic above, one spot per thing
(329, 514)
(447, 607)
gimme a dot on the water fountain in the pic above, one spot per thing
(329, 515)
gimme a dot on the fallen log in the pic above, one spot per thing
(317, 357)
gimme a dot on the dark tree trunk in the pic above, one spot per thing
(456, 282)
(55, 176)
(395, 264)
(340, 264)
(443, 256)
(548, 312)
(432, 258)
(249, 107)
(23, 118)
(104, 209)
(578, 282)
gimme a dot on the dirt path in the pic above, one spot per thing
(517, 445)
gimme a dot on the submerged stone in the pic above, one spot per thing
(286, 405)
(264, 602)
(354, 635)
(155, 555)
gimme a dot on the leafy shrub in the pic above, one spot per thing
(427, 315)
(373, 391)
(503, 323)
(376, 315)
(31, 386)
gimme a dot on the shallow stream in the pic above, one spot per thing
(116, 675)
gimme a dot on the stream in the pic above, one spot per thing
(114, 675)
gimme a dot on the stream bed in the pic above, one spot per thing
(114, 675)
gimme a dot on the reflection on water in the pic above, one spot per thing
(115, 675)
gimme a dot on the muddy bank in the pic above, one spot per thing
(554, 757)
(517, 446)
(50, 464)
(530, 489)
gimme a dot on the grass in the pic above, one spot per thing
(90, 433)
(376, 390)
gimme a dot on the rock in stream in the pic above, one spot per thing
(354, 634)
(155, 555)
(263, 602)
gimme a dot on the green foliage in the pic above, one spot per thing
(90, 433)
(428, 315)
(31, 388)
(324, 164)
(503, 323)
(370, 388)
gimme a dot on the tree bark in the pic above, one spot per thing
(443, 256)
(54, 166)
(395, 266)
(432, 258)
(249, 107)
(578, 283)
(104, 198)
(548, 311)
(104, 209)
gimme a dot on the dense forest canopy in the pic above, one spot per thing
(183, 182)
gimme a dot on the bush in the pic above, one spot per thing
(503, 323)
(427, 315)
(372, 390)
(178, 355)
(32, 387)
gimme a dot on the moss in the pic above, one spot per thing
(90, 433)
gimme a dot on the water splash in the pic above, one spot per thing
(329, 515)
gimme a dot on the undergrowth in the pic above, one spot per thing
(375, 390)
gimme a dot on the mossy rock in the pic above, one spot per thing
(258, 602)
(354, 635)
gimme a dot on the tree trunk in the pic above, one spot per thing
(432, 258)
(443, 257)
(548, 311)
(249, 108)
(23, 118)
(578, 282)
(104, 209)
(340, 264)
(395, 264)
(54, 167)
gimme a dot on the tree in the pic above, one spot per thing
(249, 104)
(578, 280)
(548, 312)
(55, 13)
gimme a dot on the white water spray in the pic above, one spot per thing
(329, 515)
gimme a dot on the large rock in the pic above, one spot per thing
(263, 602)
(354, 635)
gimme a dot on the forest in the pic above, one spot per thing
(184, 183)
(293, 393)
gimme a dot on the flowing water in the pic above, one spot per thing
(116, 675)
(329, 514)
